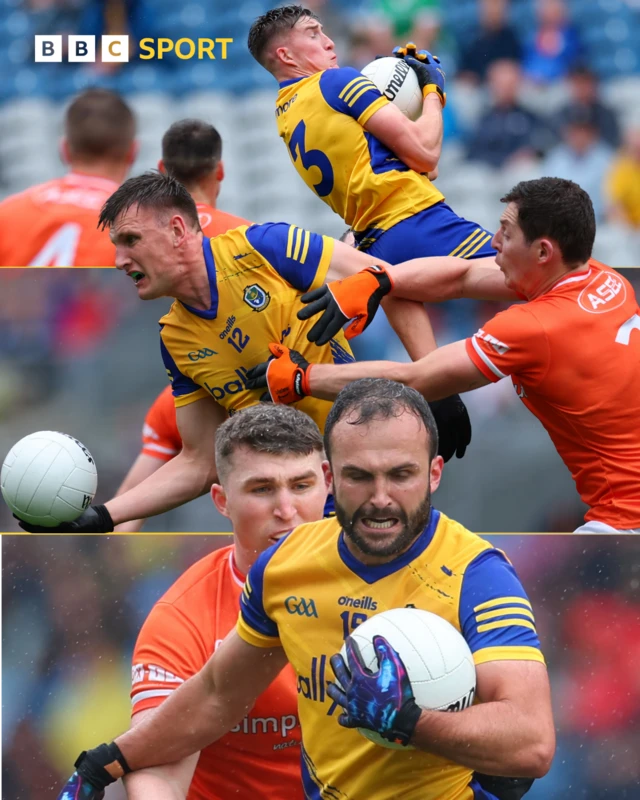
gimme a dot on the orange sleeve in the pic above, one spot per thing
(160, 436)
(169, 650)
(512, 343)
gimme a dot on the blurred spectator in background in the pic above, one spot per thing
(582, 156)
(192, 154)
(507, 132)
(54, 224)
(554, 47)
(584, 93)
(496, 41)
(623, 182)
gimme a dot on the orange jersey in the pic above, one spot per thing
(160, 436)
(260, 757)
(54, 224)
(214, 222)
(573, 355)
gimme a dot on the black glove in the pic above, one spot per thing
(95, 770)
(96, 519)
(454, 426)
(431, 76)
(504, 788)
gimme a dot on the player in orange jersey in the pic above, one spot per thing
(572, 351)
(55, 224)
(192, 154)
(270, 464)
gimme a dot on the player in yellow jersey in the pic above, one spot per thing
(387, 548)
(234, 294)
(356, 150)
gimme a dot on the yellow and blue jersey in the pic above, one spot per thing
(321, 119)
(256, 276)
(309, 605)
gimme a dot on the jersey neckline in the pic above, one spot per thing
(289, 82)
(371, 574)
(212, 311)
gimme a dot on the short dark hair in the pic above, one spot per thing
(99, 124)
(558, 209)
(271, 24)
(379, 398)
(266, 428)
(191, 149)
(150, 190)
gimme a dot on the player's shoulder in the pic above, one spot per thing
(456, 544)
(198, 584)
(294, 548)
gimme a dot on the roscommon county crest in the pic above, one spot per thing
(256, 297)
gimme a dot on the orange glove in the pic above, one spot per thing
(285, 375)
(354, 298)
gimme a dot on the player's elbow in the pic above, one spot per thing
(535, 759)
(423, 160)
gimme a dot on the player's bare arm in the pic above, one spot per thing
(434, 280)
(142, 468)
(408, 318)
(190, 474)
(419, 143)
(167, 782)
(204, 707)
(510, 732)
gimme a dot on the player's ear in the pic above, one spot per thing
(219, 497)
(219, 171)
(328, 477)
(435, 473)
(546, 250)
(161, 167)
(65, 154)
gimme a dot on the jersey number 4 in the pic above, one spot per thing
(59, 249)
(311, 158)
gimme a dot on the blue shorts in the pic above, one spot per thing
(436, 231)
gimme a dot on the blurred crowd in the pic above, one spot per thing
(72, 608)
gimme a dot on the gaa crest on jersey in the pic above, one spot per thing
(256, 297)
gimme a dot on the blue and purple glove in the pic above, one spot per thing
(380, 701)
(77, 788)
(95, 770)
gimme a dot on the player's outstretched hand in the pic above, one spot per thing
(431, 76)
(96, 519)
(355, 298)
(95, 770)
(285, 375)
(454, 426)
(380, 701)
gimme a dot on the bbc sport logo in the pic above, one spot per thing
(116, 48)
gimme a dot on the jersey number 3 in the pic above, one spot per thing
(311, 158)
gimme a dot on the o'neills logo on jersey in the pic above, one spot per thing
(400, 72)
(605, 292)
(366, 603)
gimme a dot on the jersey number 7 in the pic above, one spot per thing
(311, 158)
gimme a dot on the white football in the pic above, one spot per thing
(398, 83)
(437, 658)
(48, 478)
